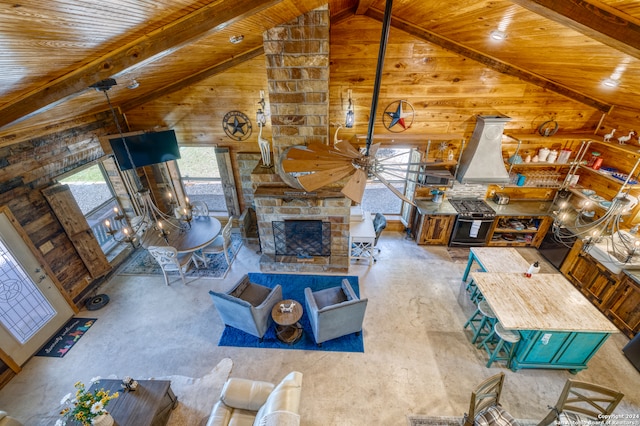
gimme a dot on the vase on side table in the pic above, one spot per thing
(103, 419)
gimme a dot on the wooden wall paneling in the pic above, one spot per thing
(38, 255)
(77, 229)
(176, 181)
(228, 182)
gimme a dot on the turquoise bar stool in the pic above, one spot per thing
(474, 293)
(481, 321)
(504, 348)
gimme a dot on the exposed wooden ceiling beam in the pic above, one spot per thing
(593, 19)
(163, 41)
(363, 6)
(493, 63)
(193, 79)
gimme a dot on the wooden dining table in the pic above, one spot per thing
(186, 239)
(559, 327)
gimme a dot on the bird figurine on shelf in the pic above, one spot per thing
(608, 136)
(623, 139)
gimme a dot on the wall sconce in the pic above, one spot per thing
(350, 119)
(261, 118)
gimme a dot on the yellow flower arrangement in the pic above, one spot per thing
(85, 406)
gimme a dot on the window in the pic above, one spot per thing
(201, 177)
(394, 165)
(96, 199)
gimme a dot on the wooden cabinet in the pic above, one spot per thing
(522, 231)
(592, 279)
(434, 229)
(623, 306)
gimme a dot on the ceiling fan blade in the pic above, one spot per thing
(394, 190)
(302, 153)
(374, 149)
(317, 180)
(346, 148)
(292, 166)
(354, 189)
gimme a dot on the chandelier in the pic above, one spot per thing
(125, 230)
(573, 222)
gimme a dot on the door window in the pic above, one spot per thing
(394, 166)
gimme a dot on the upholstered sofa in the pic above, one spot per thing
(7, 420)
(246, 402)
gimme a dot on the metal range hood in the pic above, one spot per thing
(481, 160)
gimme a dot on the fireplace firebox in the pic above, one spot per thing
(302, 238)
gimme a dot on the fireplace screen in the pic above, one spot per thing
(302, 238)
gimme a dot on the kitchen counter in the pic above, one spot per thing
(428, 207)
(521, 208)
(514, 208)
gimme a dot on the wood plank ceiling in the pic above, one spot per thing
(52, 50)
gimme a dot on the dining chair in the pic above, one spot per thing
(221, 244)
(581, 399)
(199, 209)
(170, 261)
(379, 224)
(485, 408)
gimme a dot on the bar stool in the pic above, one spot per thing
(474, 293)
(507, 343)
(481, 322)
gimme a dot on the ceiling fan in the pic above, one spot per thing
(316, 165)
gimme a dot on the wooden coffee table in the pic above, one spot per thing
(288, 329)
(149, 405)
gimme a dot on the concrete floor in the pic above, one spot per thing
(417, 359)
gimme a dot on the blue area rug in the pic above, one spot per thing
(142, 263)
(293, 288)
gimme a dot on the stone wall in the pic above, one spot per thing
(297, 57)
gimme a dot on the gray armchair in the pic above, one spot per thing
(247, 306)
(334, 312)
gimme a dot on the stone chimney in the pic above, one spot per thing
(297, 56)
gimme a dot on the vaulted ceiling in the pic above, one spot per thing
(51, 51)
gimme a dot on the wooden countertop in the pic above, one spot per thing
(500, 259)
(541, 302)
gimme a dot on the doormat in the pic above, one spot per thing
(66, 337)
(142, 263)
(293, 288)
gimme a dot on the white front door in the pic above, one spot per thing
(32, 308)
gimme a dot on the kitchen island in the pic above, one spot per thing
(559, 327)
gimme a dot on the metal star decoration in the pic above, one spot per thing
(400, 113)
(236, 125)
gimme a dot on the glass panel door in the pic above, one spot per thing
(32, 309)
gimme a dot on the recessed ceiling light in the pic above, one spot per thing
(610, 82)
(236, 39)
(497, 35)
(133, 85)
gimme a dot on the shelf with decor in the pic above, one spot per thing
(518, 231)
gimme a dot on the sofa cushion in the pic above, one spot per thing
(242, 418)
(245, 394)
(280, 418)
(285, 397)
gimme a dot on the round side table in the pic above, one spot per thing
(288, 329)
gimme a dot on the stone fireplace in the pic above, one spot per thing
(319, 220)
(297, 58)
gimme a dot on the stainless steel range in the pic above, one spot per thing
(474, 221)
